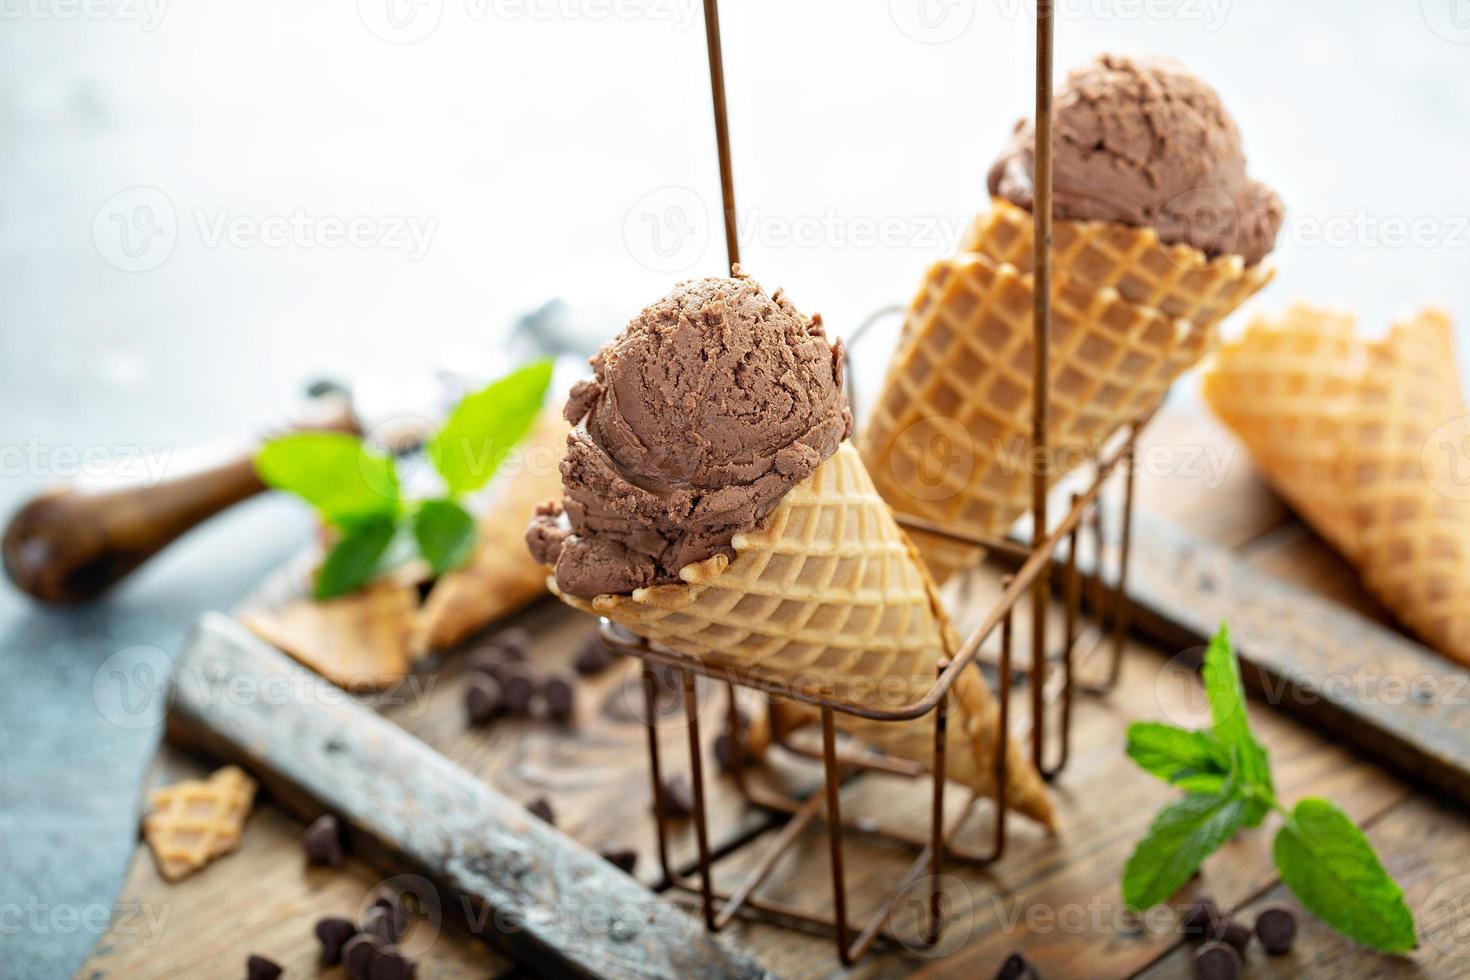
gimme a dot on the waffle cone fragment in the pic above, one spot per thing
(1368, 441)
(950, 436)
(828, 596)
(195, 821)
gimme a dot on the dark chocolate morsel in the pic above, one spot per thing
(1216, 961)
(1017, 967)
(323, 842)
(333, 934)
(541, 807)
(514, 642)
(1199, 917)
(561, 698)
(678, 798)
(358, 956)
(1236, 934)
(380, 921)
(482, 700)
(260, 968)
(516, 689)
(390, 964)
(1276, 929)
(623, 859)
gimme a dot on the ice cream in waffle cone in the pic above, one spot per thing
(1157, 236)
(1367, 440)
(804, 578)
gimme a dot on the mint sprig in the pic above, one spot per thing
(1324, 858)
(356, 491)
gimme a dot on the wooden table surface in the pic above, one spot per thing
(1056, 899)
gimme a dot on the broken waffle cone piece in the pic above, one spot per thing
(501, 577)
(828, 596)
(949, 438)
(195, 821)
(1367, 440)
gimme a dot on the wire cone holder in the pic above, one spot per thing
(1033, 565)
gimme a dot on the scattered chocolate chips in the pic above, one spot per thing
(379, 921)
(1017, 967)
(561, 698)
(1199, 917)
(541, 807)
(517, 688)
(390, 964)
(482, 700)
(1276, 929)
(333, 934)
(593, 658)
(358, 956)
(491, 663)
(323, 842)
(678, 798)
(1216, 961)
(260, 968)
(1235, 934)
(624, 860)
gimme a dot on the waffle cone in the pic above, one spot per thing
(950, 436)
(828, 596)
(1367, 440)
(500, 576)
(1177, 280)
(195, 821)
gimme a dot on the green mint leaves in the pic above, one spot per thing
(356, 491)
(1328, 863)
(1321, 855)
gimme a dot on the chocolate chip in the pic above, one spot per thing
(1016, 967)
(561, 698)
(593, 658)
(516, 689)
(624, 860)
(323, 842)
(386, 898)
(358, 956)
(482, 700)
(380, 921)
(491, 663)
(260, 968)
(514, 642)
(541, 807)
(1276, 928)
(728, 752)
(333, 934)
(1216, 961)
(1199, 917)
(678, 799)
(390, 964)
(1235, 934)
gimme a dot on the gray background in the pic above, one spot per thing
(544, 143)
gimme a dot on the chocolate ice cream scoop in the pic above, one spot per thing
(710, 405)
(1142, 141)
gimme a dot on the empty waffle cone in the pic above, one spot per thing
(195, 821)
(950, 436)
(828, 596)
(1370, 447)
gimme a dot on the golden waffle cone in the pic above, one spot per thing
(1383, 472)
(501, 576)
(195, 821)
(1285, 386)
(950, 437)
(1177, 280)
(828, 596)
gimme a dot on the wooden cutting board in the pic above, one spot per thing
(262, 899)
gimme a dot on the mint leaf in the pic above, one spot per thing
(485, 426)
(1183, 834)
(332, 472)
(1330, 866)
(1232, 728)
(445, 533)
(354, 559)
(1192, 760)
